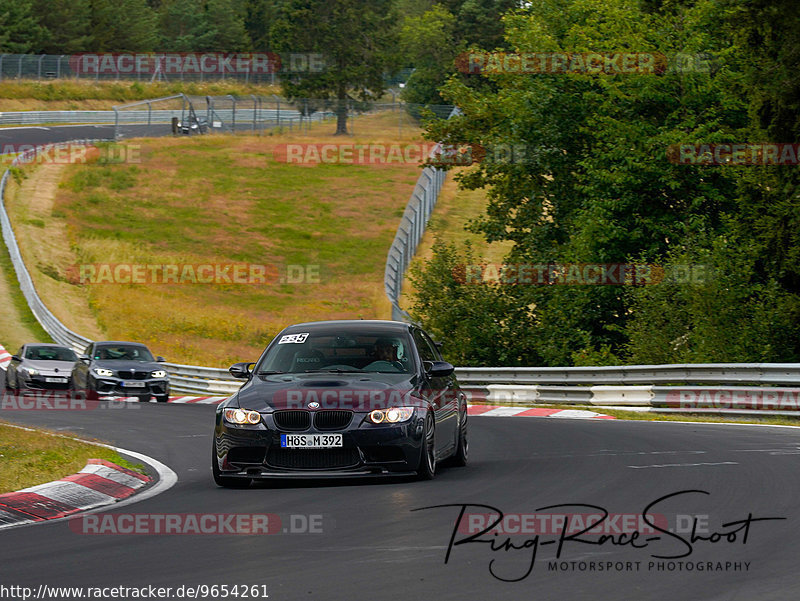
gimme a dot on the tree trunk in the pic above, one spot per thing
(341, 112)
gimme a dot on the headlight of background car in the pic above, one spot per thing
(103, 373)
(242, 416)
(395, 415)
(29, 371)
(159, 373)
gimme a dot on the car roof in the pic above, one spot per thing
(50, 344)
(352, 325)
(120, 342)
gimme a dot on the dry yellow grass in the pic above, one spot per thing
(45, 246)
(221, 200)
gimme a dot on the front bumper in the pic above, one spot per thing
(368, 450)
(39, 382)
(111, 386)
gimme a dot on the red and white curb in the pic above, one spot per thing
(5, 357)
(98, 484)
(498, 411)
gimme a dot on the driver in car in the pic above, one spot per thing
(385, 353)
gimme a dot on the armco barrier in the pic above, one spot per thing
(410, 231)
(692, 399)
(682, 373)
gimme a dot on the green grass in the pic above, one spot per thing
(28, 458)
(123, 91)
(13, 338)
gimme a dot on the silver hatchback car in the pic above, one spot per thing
(41, 366)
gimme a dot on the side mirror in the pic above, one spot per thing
(16, 358)
(84, 358)
(241, 370)
(438, 369)
(160, 359)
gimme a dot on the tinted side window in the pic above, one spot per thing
(434, 348)
(426, 350)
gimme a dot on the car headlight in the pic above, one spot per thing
(29, 371)
(159, 373)
(103, 373)
(242, 416)
(395, 415)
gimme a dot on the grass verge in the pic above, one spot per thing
(28, 458)
(17, 323)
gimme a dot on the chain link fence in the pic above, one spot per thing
(189, 67)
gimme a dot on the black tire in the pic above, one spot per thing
(144, 398)
(225, 481)
(91, 393)
(162, 398)
(460, 457)
(427, 459)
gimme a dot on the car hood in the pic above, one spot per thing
(60, 367)
(128, 365)
(358, 392)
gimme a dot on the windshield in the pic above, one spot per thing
(363, 351)
(122, 352)
(50, 353)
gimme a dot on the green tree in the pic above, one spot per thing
(19, 32)
(184, 26)
(67, 25)
(225, 20)
(593, 183)
(123, 26)
(428, 42)
(356, 39)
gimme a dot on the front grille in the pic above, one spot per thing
(294, 420)
(332, 419)
(132, 374)
(313, 459)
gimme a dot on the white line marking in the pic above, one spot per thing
(641, 467)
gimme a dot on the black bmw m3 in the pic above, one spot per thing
(342, 399)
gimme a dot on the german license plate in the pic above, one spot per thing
(56, 380)
(127, 384)
(311, 441)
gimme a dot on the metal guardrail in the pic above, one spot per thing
(683, 373)
(57, 331)
(144, 116)
(410, 231)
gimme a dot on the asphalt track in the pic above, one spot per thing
(374, 546)
(39, 135)
(43, 134)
